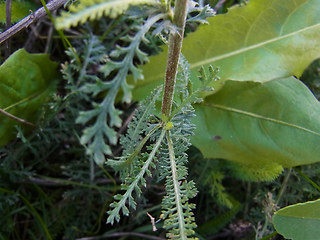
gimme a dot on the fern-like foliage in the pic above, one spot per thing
(85, 10)
(148, 138)
(104, 115)
(77, 71)
(177, 210)
(166, 153)
(132, 183)
(140, 130)
(213, 182)
(134, 165)
(202, 13)
(185, 93)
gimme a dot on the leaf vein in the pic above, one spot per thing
(255, 115)
(254, 46)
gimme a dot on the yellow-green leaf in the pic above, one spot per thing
(262, 127)
(26, 81)
(260, 41)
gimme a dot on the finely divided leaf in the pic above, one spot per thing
(26, 81)
(176, 209)
(138, 133)
(263, 126)
(104, 116)
(132, 184)
(85, 10)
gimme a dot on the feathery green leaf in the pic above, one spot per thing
(132, 184)
(85, 10)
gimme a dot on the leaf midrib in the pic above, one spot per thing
(236, 52)
(255, 115)
(300, 217)
(249, 48)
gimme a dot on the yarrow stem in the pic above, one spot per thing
(175, 44)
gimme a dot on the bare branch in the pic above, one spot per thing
(152, 219)
(16, 118)
(8, 25)
(33, 17)
(8, 13)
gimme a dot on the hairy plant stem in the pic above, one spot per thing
(175, 44)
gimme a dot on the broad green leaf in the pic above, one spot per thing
(262, 127)
(299, 222)
(261, 41)
(26, 81)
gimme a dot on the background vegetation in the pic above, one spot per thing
(50, 188)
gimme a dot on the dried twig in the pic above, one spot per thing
(33, 17)
(16, 118)
(152, 219)
(8, 13)
(8, 25)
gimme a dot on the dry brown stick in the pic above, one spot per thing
(33, 17)
(8, 13)
(8, 25)
(16, 118)
(152, 219)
